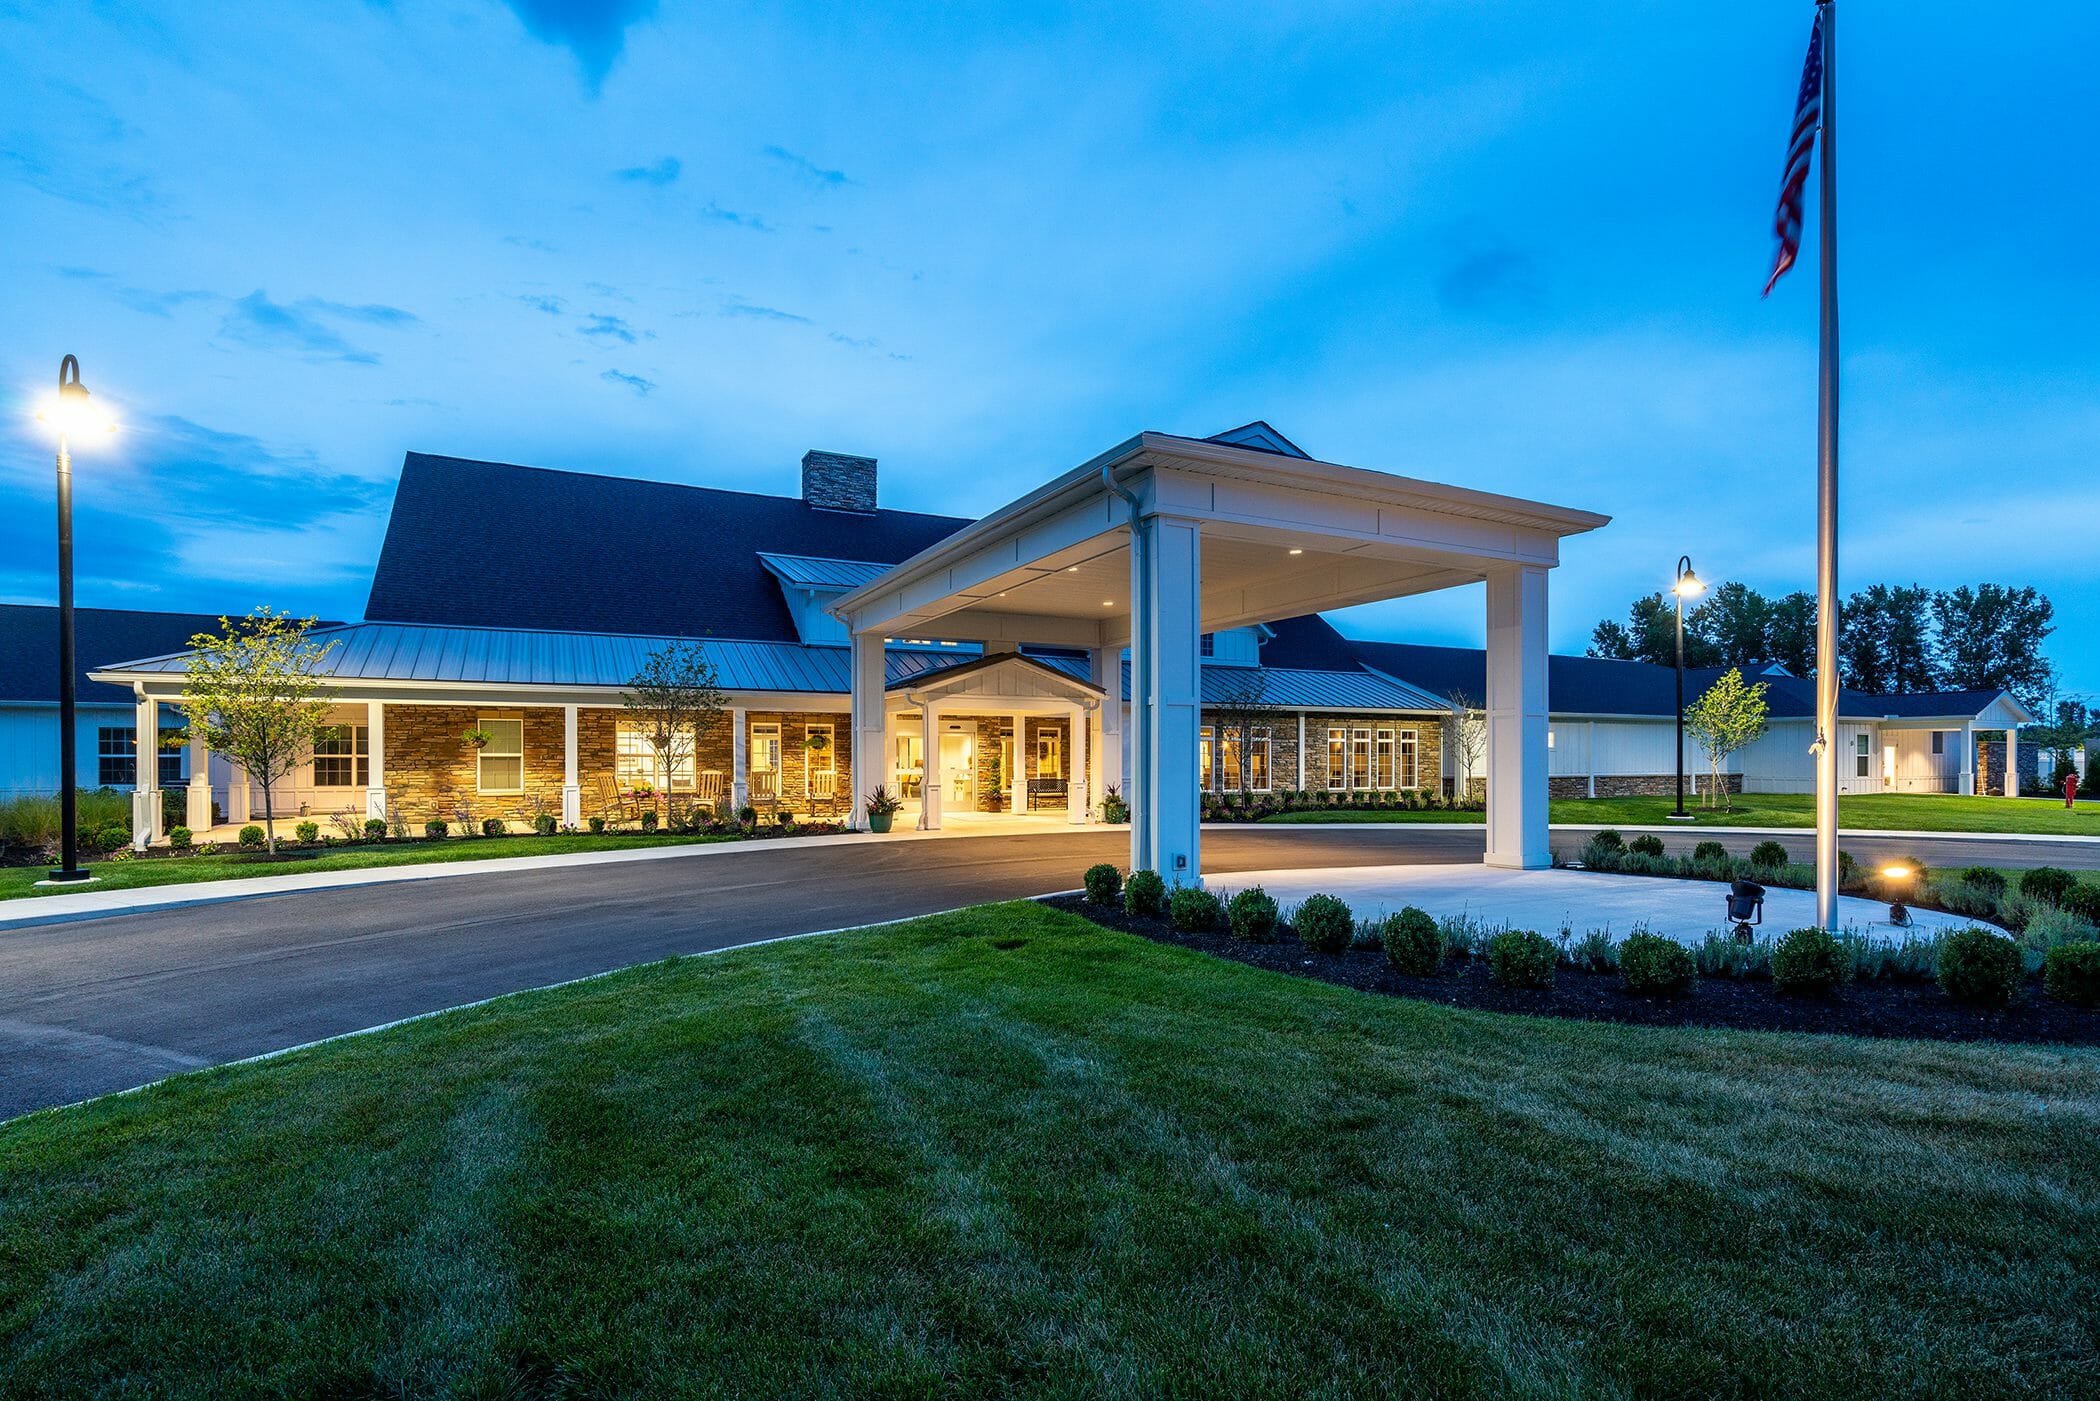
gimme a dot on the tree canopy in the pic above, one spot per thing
(254, 692)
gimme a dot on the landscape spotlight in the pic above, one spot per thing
(1899, 912)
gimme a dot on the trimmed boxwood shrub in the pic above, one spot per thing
(2071, 973)
(1610, 840)
(1414, 943)
(1768, 854)
(1985, 879)
(1981, 968)
(1809, 961)
(375, 828)
(493, 827)
(252, 837)
(597, 826)
(1646, 844)
(1323, 924)
(1103, 882)
(544, 824)
(180, 838)
(1522, 958)
(1194, 910)
(308, 832)
(1709, 851)
(435, 827)
(2048, 884)
(1144, 893)
(1251, 915)
(2084, 901)
(1653, 965)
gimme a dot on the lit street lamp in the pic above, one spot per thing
(68, 414)
(1688, 585)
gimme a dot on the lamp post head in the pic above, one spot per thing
(69, 411)
(1688, 584)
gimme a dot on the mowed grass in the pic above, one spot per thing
(1004, 1152)
(1882, 812)
(21, 881)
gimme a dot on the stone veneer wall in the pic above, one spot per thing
(794, 759)
(1283, 746)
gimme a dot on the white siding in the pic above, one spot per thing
(1779, 761)
(29, 745)
(1912, 767)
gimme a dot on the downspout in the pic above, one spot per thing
(1137, 779)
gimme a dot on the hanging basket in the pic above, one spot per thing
(477, 739)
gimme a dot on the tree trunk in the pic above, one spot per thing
(269, 817)
(663, 762)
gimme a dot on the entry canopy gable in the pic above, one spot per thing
(1281, 536)
(1004, 675)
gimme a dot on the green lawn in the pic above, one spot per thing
(1914, 812)
(1007, 1153)
(16, 881)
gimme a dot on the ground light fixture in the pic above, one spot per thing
(1899, 909)
(69, 412)
(1687, 585)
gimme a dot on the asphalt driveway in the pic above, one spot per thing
(97, 1005)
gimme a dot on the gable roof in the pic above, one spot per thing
(1308, 643)
(495, 545)
(29, 647)
(1261, 437)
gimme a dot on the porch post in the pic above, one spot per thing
(2012, 761)
(145, 779)
(1166, 836)
(198, 813)
(1105, 664)
(1516, 718)
(375, 764)
(1968, 757)
(1077, 805)
(1017, 780)
(739, 759)
(868, 676)
(930, 776)
(571, 785)
(240, 795)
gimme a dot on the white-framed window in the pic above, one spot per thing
(1258, 759)
(823, 771)
(1360, 757)
(1049, 753)
(1383, 755)
(1207, 759)
(765, 747)
(116, 756)
(1863, 755)
(343, 758)
(1409, 773)
(500, 766)
(635, 761)
(1229, 759)
(1337, 757)
(1939, 741)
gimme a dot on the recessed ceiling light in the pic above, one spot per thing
(1297, 552)
(1071, 569)
(1108, 603)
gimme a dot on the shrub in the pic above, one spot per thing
(747, 814)
(1594, 952)
(1709, 851)
(308, 832)
(1144, 893)
(2084, 901)
(1324, 924)
(2071, 973)
(1413, 943)
(1103, 883)
(1252, 915)
(1609, 839)
(649, 819)
(1720, 956)
(1652, 965)
(436, 827)
(597, 826)
(1983, 878)
(493, 827)
(1809, 961)
(544, 824)
(2051, 927)
(180, 838)
(1522, 958)
(1600, 855)
(1768, 854)
(2047, 884)
(1981, 968)
(252, 837)
(1194, 910)
(1646, 844)
(375, 828)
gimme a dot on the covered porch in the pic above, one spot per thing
(1004, 734)
(1163, 539)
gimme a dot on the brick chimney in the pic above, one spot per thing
(838, 481)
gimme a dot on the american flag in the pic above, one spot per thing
(1808, 115)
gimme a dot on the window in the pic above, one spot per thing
(635, 761)
(1360, 757)
(1258, 760)
(501, 763)
(1049, 754)
(1383, 757)
(1229, 759)
(170, 763)
(343, 758)
(1863, 755)
(1337, 757)
(1408, 775)
(1207, 644)
(1207, 759)
(823, 777)
(1939, 741)
(116, 756)
(765, 747)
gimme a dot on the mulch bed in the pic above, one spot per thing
(1902, 1009)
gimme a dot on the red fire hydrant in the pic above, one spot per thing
(2070, 790)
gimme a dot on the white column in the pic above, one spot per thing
(868, 680)
(1106, 665)
(930, 775)
(2012, 762)
(1017, 775)
(571, 785)
(1516, 719)
(739, 759)
(145, 789)
(1168, 685)
(1077, 803)
(1968, 757)
(197, 817)
(240, 795)
(375, 770)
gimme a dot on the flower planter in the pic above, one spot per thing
(880, 821)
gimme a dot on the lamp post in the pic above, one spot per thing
(1687, 585)
(68, 412)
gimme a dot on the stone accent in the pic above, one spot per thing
(432, 773)
(838, 481)
(1429, 746)
(1032, 726)
(1655, 785)
(795, 759)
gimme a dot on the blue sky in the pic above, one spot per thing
(1516, 246)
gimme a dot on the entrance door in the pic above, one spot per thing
(958, 773)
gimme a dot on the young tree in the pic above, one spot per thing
(255, 694)
(674, 699)
(1469, 738)
(1729, 716)
(1990, 638)
(1242, 709)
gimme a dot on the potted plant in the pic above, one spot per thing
(476, 739)
(882, 807)
(995, 782)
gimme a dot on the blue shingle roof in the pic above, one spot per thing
(29, 647)
(493, 545)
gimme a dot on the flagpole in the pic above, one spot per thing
(1827, 755)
